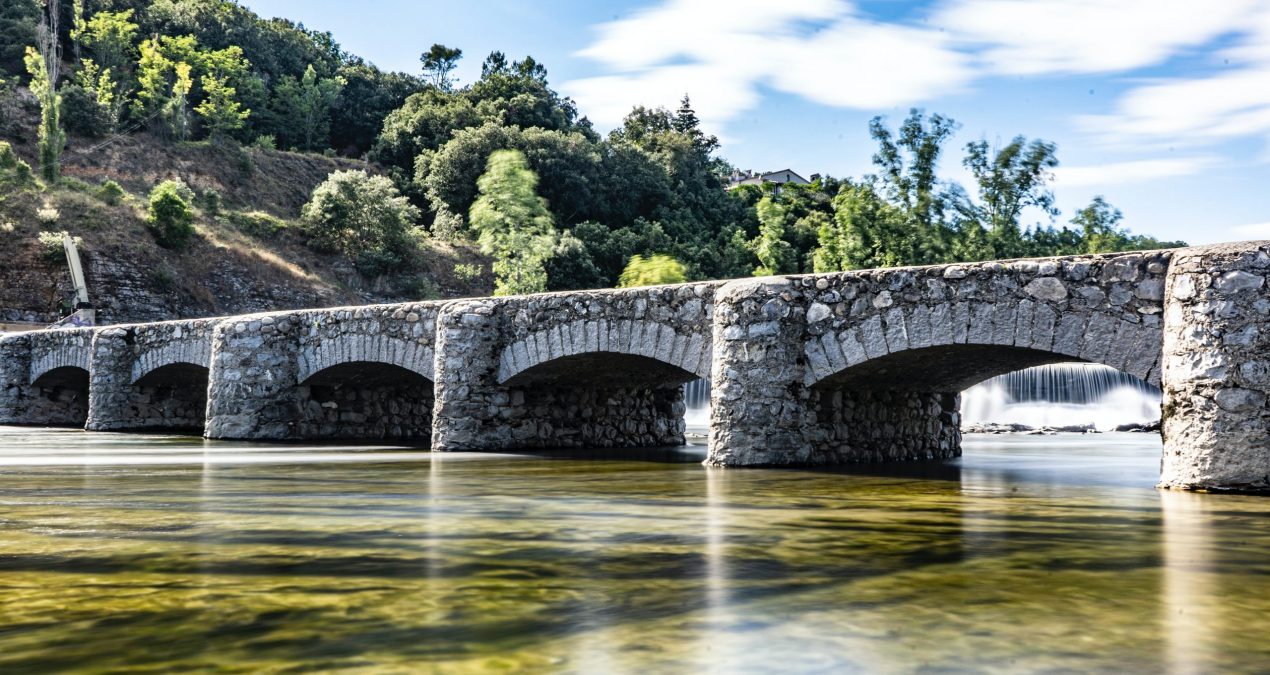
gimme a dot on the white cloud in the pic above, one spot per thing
(1253, 231)
(1130, 172)
(720, 52)
(1030, 37)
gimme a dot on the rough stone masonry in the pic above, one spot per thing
(859, 366)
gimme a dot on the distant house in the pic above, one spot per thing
(739, 178)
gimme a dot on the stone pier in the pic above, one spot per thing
(862, 366)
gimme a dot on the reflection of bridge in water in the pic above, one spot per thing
(817, 369)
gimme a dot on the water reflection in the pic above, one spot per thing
(1030, 554)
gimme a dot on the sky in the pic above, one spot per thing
(1160, 106)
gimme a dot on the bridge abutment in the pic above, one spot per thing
(1216, 374)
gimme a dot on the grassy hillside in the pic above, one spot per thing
(248, 254)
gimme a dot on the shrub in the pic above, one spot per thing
(162, 279)
(110, 192)
(467, 272)
(82, 114)
(12, 166)
(265, 142)
(47, 214)
(363, 217)
(257, 223)
(210, 201)
(52, 250)
(424, 288)
(171, 219)
(651, 271)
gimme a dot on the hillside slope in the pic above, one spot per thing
(247, 256)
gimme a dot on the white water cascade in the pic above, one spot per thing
(1059, 395)
(1062, 395)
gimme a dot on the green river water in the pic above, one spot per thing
(1030, 554)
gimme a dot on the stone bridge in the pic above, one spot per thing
(861, 366)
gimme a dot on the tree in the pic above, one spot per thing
(44, 67)
(363, 217)
(773, 252)
(686, 122)
(177, 110)
(306, 104)
(109, 36)
(438, 63)
(1099, 224)
(867, 232)
(18, 22)
(513, 224)
(221, 112)
(652, 271)
(908, 163)
(1015, 178)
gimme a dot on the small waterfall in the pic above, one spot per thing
(1062, 395)
(697, 400)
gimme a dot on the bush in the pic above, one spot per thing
(171, 219)
(651, 271)
(467, 273)
(81, 113)
(47, 214)
(52, 250)
(424, 288)
(362, 217)
(210, 201)
(257, 224)
(265, 142)
(110, 192)
(12, 166)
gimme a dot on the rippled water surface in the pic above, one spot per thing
(1050, 554)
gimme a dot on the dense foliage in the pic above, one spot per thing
(170, 218)
(363, 217)
(509, 162)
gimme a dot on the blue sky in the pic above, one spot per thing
(1162, 106)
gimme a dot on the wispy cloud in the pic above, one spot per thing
(722, 51)
(1130, 172)
(1034, 37)
(725, 53)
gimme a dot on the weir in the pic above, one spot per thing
(857, 366)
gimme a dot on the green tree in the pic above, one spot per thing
(171, 219)
(652, 271)
(1099, 224)
(221, 112)
(18, 21)
(773, 252)
(438, 62)
(908, 163)
(306, 103)
(177, 109)
(513, 224)
(363, 217)
(1016, 177)
(51, 135)
(867, 232)
(110, 37)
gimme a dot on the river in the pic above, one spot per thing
(1030, 554)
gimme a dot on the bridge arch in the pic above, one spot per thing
(952, 346)
(365, 386)
(406, 354)
(663, 354)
